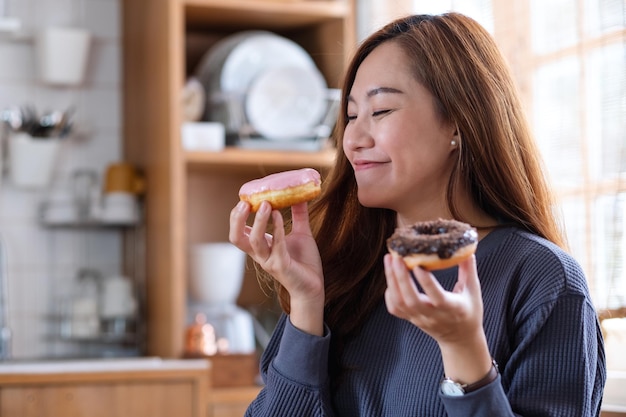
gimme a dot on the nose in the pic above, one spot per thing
(357, 136)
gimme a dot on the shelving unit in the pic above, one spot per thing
(239, 161)
(190, 194)
(126, 337)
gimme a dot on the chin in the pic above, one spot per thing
(371, 201)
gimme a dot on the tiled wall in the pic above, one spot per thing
(42, 262)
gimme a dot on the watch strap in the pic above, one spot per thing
(486, 380)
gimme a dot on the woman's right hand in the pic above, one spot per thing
(293, 259)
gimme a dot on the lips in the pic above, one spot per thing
(363, 164)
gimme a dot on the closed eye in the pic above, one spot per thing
(381, 113)
(378, 113)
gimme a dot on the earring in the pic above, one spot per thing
(453, 142)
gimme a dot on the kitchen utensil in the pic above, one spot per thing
(62, 55)
(64, 123)
(24, 119)
(200, 338)
(32, 160)
(233, 326)
(12, 116)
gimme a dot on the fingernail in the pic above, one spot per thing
(265, 207)
(241, 206)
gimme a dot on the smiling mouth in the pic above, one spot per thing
(363, 165)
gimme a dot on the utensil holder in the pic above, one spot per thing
(62, 54)
(32, 160)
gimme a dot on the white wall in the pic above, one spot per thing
(43, 262)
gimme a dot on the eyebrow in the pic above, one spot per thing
(379, 90)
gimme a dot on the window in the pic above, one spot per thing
(578, 110)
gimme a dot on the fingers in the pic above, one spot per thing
(238, 230)
(469, 283)
(401, 282)
(257, 237)
(434, 292)
(405, 299)
(402, 296)
(252, 240)
(300, 218)
(468, 275)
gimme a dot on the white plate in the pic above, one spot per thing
(229, 67)
(286, 103)
(210, 66)
(232, 63)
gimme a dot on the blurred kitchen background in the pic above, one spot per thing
(45, 267)
(569, 60)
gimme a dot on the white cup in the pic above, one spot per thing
(203, 136)
(217, 271)
(119, 207)
(116, 298)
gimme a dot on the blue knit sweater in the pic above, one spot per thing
(541, 328)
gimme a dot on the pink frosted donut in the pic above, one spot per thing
(283, 189)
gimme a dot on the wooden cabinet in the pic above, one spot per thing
(190, 194)
(231, 402)
(147, 393)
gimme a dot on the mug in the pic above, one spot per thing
(122, 177)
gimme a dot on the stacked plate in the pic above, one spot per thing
(264, 85)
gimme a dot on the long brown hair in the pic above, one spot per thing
(461, 66)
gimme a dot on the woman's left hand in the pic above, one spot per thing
(453, 318)
(449, 317)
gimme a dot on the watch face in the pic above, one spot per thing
(449, 387)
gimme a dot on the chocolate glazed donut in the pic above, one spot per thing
(436, 244)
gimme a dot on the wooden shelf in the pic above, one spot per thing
(191, 193)
(271, 15)
(236, 160)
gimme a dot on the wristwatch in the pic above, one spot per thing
(455, 389)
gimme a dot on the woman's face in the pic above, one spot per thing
(398, 146)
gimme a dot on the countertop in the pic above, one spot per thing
(93, 369)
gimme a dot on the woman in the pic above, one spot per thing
(431, 127)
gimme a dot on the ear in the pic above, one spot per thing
(456, 133)
(456, 137)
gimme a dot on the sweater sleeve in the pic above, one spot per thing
(294, 368)
(543, 332)
(551, 372)
(557, 368)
